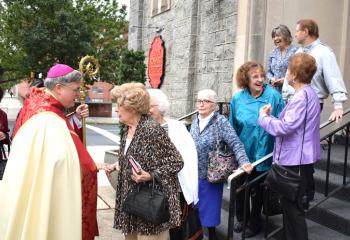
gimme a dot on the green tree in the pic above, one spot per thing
(35, 34)
(131, 67)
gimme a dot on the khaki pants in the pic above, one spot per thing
(161, 236)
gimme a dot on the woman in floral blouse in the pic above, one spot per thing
(278, 59)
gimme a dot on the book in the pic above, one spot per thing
(135, 165)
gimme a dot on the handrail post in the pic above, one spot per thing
(328, 164)
(245, 206)
(346, 154)
(232, 209)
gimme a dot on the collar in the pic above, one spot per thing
(262, 98)
(307, 49)
(207, 118)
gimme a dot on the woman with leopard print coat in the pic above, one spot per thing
(148, 143)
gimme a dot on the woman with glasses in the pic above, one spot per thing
(278, 59)
(208, 127)
(244, 113)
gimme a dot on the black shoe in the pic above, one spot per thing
(251, 232)
(238, 227)
(305, 203)
(311, 196)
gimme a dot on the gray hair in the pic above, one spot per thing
(285, 32)
(74, 76)
(208, 94)
(161, 98)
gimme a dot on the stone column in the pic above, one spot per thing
(135, 24)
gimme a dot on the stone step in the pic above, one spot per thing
(316, 230)
(333, 213)
(336, 160)
(335, 181)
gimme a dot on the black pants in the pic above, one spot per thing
(310, 182)
(294, 222)
(256, 197)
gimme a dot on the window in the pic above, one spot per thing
(97, 90)
(159, 6)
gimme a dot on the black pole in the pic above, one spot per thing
(346, 153)
(232, 209)
(328, 164)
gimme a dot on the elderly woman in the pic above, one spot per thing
(297, 134)
(277, 63)
(205, 127)
(148, 143)
(188, 176)
(244, 113)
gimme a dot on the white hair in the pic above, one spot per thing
(161, 98)
(208, 94)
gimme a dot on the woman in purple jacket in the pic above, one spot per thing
(297, 144)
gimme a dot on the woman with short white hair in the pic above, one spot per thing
(210, 130)
(181, 138)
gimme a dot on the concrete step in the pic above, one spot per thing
(337, 160)
(333, 213)
(316, 230)
(335, 181)
(331, 209)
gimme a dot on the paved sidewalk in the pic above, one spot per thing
(105, 214)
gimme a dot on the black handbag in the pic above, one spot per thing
(148, 203)
(272, 202)
(284, 181)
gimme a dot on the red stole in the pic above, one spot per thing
(40, 101)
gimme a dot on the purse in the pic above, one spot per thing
(220, 164)
(272, 202)
(284, 181)
(148, 203)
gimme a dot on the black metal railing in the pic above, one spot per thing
(327, 132)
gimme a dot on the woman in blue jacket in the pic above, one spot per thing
(208, 128)
(244, 113)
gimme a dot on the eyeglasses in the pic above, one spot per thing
(204, 101)
(75, 90)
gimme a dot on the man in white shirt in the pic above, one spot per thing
(327, 79)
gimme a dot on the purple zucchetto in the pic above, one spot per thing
(59, 70)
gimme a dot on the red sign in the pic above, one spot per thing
(156, 59)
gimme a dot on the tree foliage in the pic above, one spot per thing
(131, 67)
(35, 34)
